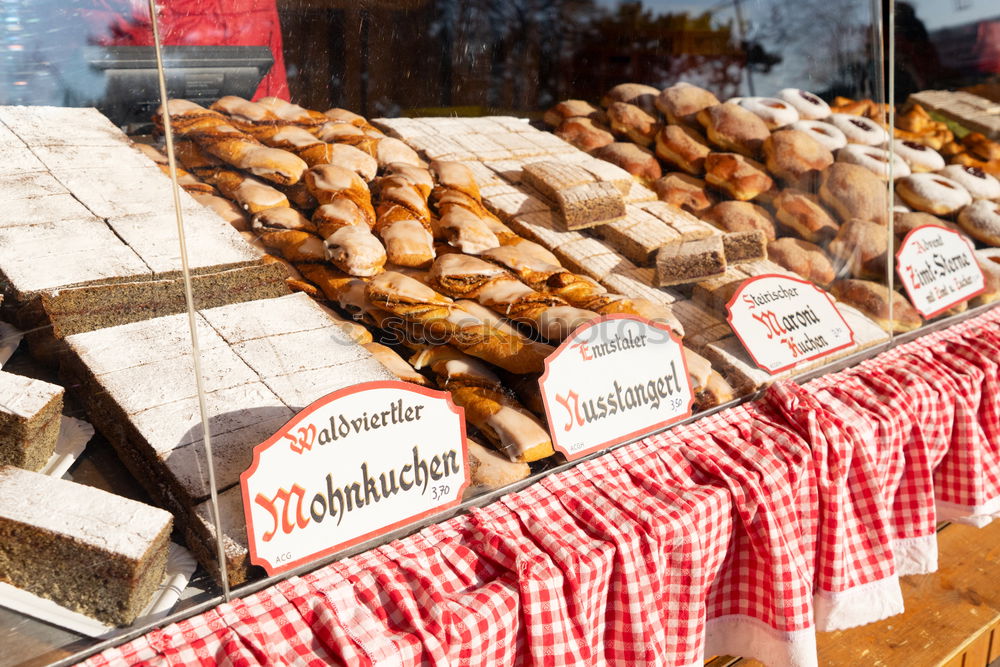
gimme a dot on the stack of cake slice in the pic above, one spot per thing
(88, 550)
(88, 236)
(261, 362)
(30, 416)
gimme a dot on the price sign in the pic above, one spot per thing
(938, 269)
(357, 463)
(783, 321)
(613, 379)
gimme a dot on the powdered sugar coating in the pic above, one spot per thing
(25, 397)
(93, 517)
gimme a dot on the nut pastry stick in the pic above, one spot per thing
(289, 233)
(349, 241)
(293, 113)
(502, 420)
(250, 193)
(443, 320)
(404, 221)
(463, 276)
(215, 135)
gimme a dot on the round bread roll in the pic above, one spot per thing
(636, 160)
(795, 157)
(739, 176)
(862, 247)
(979, 184)
(802, 213)
(905, 222)
(640, 95)
(804, 258)
(572, 109)
(683, 147)
(932, 193)
(740, 216)
(631, 121)
(732, 128)
(683, 191)
(989, 262)
(981, 221)
(681, 102)
(584, 133)
(873, 300)
(854, 192)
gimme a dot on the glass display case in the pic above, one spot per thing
(440, 193)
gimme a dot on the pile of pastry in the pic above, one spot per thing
(811, 176)
(361, 222)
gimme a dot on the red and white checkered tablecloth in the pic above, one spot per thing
(742, 533)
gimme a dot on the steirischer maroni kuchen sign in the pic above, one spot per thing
(357, 463)
(614, 379)
(784, 321)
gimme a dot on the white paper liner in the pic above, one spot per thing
(747, 637)
(74, 434)
(977, 515)
(858, 605)
(180, 566)
(10, 338)
(916, 555)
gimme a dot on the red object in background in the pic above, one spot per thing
(195, 22)
(988, 47)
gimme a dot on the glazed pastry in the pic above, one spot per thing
(740, 216)
(824, 133)
(328, 182)
(455, 323)
(809, 106)
(213, 134)
(862, 247)
(502, 420)
(932, 193)
(683, 191)
(981, 221)
(733, 128)
(249, 193)
(355, 250)
(737, 175)
(795, 157)
(389, 151)
(873, 300)
(874, 159)
(853, 192)
(632, 122)
(802, 213)
(681, 102)
(774, 112)
(292, 113)
(804, 258)
(404, 222)
(584, 133)
(464, 277)
(981, 146)
(290, 234)
(683, 147)
(918, 156)
(638, 161)
(979, 184)
(466, 231)
(637, 94)
(915, 119)
(859, 130)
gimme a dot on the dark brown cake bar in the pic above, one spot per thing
(88, 550)
(30, 414)
(691, 261)
(745, 246)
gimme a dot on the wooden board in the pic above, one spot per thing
(952, 617)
